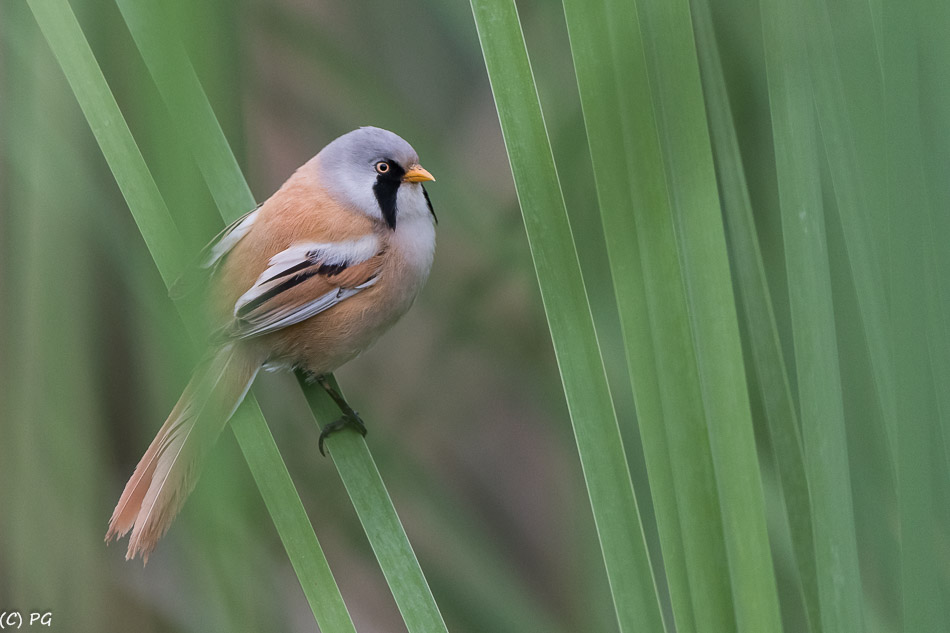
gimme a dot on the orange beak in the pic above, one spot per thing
(417, 173)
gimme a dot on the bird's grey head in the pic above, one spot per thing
(376, 172)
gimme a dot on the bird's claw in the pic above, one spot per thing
(341, 422)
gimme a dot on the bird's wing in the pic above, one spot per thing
(304, 280)
(208, 259)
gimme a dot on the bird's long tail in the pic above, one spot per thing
(167, 472)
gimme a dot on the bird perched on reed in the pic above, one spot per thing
(307, 280)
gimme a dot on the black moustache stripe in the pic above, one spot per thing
(429, 202)
(385, 190)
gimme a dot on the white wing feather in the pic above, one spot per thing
(230, 236)
(295, 260)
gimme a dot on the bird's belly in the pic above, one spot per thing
(327, 340)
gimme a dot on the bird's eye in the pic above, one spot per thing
(382, 167)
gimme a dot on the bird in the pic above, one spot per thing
(305, 281)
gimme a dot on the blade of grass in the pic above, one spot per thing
(65, 38)
(850, 173)
(684, 139)
(565, 300)
(224, 511)
(874, 489)
(683, 421)
(820, 399)
(611, 77)
(757, 313)
(847, 78)
(178, 84)
(911, 290)
(382, 525)
(648, 201)
(847, 81)
(181, 90)
(855, 61)
(935, 109)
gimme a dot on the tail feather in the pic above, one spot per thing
(167, 472)
(123, 517)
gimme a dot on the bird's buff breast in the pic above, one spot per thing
(327, 340)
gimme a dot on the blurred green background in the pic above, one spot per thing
(462, 398)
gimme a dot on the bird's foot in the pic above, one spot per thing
(351, 419)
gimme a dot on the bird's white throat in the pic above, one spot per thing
(414, 236)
